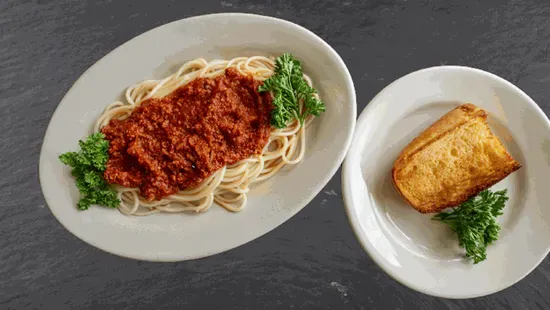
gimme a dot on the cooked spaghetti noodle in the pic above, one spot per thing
(227, 187)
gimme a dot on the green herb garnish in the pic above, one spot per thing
(88, 166)
(289, 88)
(474, 222)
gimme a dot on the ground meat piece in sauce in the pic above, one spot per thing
(176, 142)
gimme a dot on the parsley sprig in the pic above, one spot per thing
(88, 166)
(474, 222)
(288, 87)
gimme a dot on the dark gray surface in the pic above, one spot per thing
(313, 261)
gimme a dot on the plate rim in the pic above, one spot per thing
(347, 165)
(172, 257)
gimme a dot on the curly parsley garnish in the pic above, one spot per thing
(88, 166)
(474, 222)
(289, 88)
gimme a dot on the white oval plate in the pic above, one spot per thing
(156, 54)
(421, 253)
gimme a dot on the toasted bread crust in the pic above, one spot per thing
(430, 179)
(444, 126)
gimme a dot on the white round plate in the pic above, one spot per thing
(421, 253)
(156, 54)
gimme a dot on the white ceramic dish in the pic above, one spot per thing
(158, 53)
(421, 253)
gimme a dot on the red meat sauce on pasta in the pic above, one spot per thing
(175, 142)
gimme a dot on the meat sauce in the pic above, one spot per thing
(175, 142)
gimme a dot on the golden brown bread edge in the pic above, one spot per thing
(455, 118)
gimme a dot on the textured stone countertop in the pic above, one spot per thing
(313, 261)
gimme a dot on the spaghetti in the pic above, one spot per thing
(228, 186)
